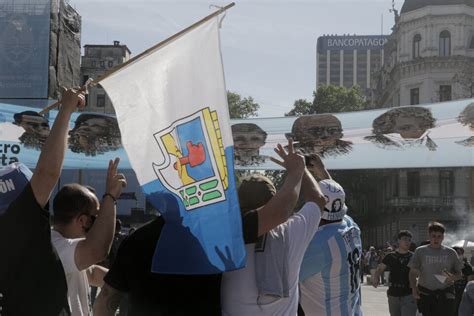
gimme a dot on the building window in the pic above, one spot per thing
(416, 46)
(100, 100)
(111, 63)
(446, 183)
(413, 183)
(102, 64)
(414, 96)
(445, 43)
(94, 63)
(444, 93)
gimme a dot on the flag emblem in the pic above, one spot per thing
(194, 166)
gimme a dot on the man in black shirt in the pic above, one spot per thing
(400, 298)
(160, 294)
(32, 279)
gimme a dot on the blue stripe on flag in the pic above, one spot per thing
(205, 240)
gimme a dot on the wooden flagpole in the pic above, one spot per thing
(146, 52)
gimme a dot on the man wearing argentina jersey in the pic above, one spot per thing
(330, 272)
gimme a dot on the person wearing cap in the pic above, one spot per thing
(32, 280)
(329, 275)
(268, 285)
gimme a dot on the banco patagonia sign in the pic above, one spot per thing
(351, 42)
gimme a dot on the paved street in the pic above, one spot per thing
(374, 301)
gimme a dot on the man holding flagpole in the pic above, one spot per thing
(32, 280)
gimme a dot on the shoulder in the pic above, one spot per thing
(450, 250)
(148, 231)
(309, 210)
(421, 249)
(61, 243)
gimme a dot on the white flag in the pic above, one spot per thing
(172, 110)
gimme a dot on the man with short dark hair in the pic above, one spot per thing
(437, 268)
(32, 278)
(82, 234)
(400, 298)
(268, 285)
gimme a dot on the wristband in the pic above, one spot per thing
(111, 196)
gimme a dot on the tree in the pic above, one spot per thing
(331, 99)
(300, 107)
(465, 78)
(241, 108)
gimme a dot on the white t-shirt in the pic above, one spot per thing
(77, 282)
(239, 292)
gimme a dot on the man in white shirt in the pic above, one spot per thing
(268, 285)
(82, 234)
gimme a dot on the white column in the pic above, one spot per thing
(354, 67)
(382, 57)
(328, 66)
(368, 68)
(341, 68)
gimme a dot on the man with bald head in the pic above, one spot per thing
(82, 234)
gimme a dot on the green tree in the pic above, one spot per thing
(331, 99)
(300, 107)
(241, 107)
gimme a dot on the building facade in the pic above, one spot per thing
(348, 60)
(386, 201)
(96, 61)
(430, 54)
(39, 50)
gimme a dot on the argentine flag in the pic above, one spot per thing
(171, 107)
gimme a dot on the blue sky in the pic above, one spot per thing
(268, 46)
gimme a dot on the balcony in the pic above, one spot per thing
(425, 201)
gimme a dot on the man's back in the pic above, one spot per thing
(330, 276)
(159, 294)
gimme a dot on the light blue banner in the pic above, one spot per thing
(436, 135)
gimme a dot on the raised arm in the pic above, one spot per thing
(50, 163)
(97, 244)
(316, 166)
(281, 206)
(310, 187)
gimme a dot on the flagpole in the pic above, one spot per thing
(146, 52)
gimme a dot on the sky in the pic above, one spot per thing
(268, 46)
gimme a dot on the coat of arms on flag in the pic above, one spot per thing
(172, 110)
(195, 167)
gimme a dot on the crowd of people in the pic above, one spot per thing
(304, 252)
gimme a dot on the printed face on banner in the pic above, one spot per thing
(319, 134)
(248, 139)
(94, 134)
(36, 129)
(466, 118)
(403, 127)
(194, 166)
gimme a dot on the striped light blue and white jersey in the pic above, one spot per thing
(330, 272)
